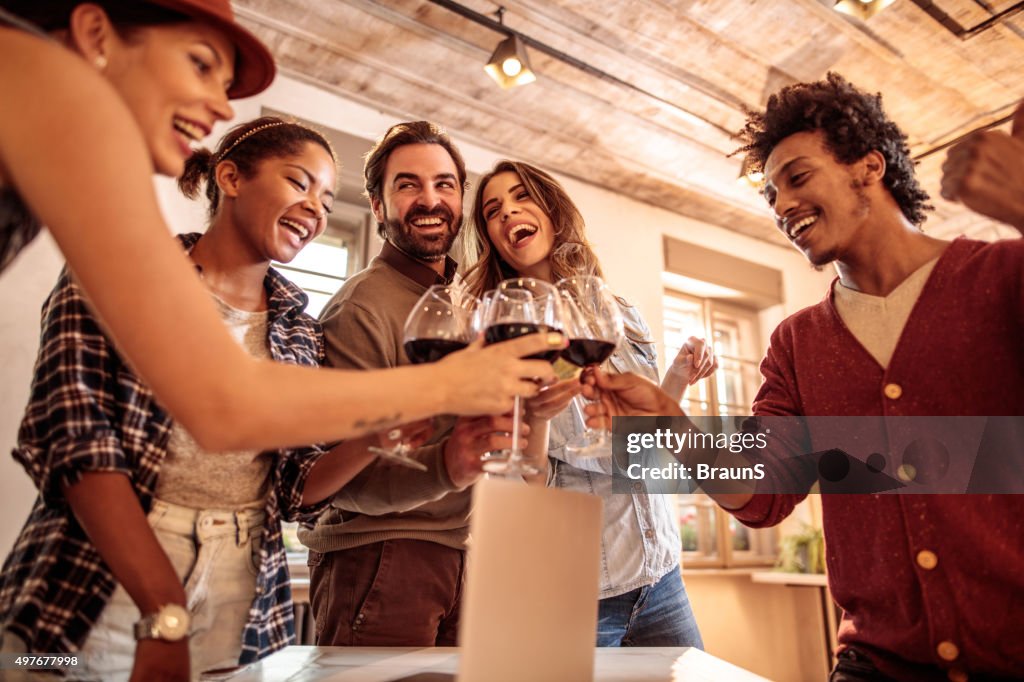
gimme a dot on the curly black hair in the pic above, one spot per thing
(853, 124)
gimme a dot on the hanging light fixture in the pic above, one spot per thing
(509, 66)
(750, 174)
(861, 9)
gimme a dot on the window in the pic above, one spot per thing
(711, 536)
(322, 267)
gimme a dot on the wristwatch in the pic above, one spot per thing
(170, 623)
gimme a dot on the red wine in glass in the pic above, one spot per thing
(585, 352)
(422, 351)
(506, 331)
(594, 321)
(518, 307)
(438, 324)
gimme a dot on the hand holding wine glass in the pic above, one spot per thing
(485, 379)
(624, 395)
(439, 324)
(552, 400)
(594, 324)
(471, 439)
(519, 307)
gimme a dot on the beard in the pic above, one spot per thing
(403, 234)
(859, 214)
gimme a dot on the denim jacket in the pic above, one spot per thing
(640, 536)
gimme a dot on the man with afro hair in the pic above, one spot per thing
(930, 585)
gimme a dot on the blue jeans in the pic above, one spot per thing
(655, 615)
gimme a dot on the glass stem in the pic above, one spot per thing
(577, 408)
(515, 454)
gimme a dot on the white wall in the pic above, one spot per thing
(626, 234)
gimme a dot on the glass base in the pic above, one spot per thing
(399, 455)
(591, 443)
(508, 466)
(495, 456)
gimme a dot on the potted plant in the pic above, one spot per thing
(802, 552)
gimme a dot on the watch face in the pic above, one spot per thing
(172, 622)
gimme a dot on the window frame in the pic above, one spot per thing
(717, 530)
(351, 224)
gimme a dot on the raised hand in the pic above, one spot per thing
(985, 172)
(694, 361)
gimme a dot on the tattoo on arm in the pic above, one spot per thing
(379, 424)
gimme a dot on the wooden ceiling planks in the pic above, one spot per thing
(691, 66)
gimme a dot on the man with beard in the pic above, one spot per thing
(930, 585)
(387, 558)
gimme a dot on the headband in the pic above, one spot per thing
(247, 135)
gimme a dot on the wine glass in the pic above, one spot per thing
(479, 326)
(593, 321)
(440, 323)
(518, 307)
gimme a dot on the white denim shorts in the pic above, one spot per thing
(217, 555)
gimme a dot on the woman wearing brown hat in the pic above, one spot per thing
(74, 157)
(116, 91)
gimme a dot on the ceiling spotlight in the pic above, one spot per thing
(509, 66)
(750, 174)
(861, 9)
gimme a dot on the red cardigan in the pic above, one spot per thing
(928, 583)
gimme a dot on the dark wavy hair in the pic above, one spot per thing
(247, 144)
(399, 135)
(853, 124)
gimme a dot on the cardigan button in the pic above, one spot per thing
(906, 472)
(948, 651)
(956, 675)
(893, 391)
(927, 559)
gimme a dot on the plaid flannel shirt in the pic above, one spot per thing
(88, 412)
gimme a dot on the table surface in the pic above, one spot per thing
(785, 578)
(388, 664)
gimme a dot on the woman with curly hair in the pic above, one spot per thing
(211, 531)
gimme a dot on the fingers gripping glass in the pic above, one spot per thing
(516, 308)
(593, 322)
(440, 323)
